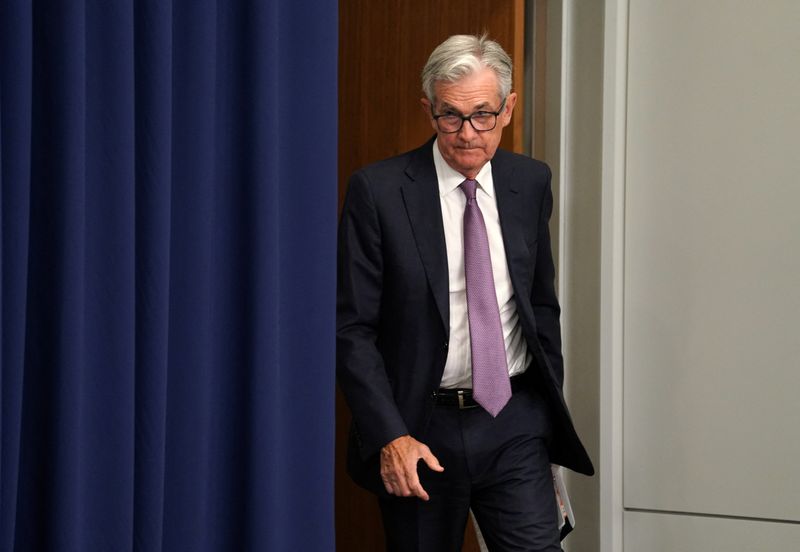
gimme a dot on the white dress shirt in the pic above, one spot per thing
(458, 368)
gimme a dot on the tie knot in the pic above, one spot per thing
(469, 187)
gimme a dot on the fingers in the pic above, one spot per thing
(404, 485)
(399, 467)
(415, 488)
(403, 481)
(432, 462)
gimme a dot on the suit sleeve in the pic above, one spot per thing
(359, 363)
(543, 297)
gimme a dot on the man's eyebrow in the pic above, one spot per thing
(480, 107)
(447, 107)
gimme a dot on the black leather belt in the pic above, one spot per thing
(462, 398)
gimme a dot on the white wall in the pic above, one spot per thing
(579, 58)
(700, 417)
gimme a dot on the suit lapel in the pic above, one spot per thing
(421, 197)
(513, 223)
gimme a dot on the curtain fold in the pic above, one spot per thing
(168, 258)
(15, 162)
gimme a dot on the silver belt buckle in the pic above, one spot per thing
(461, 405)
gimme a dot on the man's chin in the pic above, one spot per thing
(470, 163)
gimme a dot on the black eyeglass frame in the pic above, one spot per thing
(469, 118)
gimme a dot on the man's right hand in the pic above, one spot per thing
(399, 466)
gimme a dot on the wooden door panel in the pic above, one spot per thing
(383, 46)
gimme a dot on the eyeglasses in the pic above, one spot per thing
(481, 121)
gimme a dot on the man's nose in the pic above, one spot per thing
(467, 131)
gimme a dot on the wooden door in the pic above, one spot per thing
(383, 45)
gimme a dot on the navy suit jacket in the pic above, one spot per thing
(393, 304)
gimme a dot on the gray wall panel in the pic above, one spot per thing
(712, 259)
(646, 532)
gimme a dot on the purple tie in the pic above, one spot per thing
(491, 387)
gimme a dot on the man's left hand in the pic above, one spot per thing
(399, 460)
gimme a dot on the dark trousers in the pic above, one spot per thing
(497, 466)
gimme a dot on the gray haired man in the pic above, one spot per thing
(448, 337)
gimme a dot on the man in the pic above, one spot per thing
(448, 337)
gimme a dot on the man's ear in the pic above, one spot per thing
(426, 106)
(508, 109)
(428, 109)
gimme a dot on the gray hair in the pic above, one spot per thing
(462, 55)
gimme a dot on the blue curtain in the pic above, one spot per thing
(168, 259)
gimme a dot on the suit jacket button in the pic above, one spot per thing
(445, 345)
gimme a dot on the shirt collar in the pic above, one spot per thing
(450, 179)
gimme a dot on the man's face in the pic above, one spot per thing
(467, 150)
